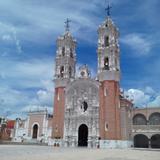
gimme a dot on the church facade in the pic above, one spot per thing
(90, 112)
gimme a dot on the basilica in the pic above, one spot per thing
(91, 112)
(87, 111)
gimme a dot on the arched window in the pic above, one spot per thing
(63, 51)
(139, 119)
(106, 41)
(106, 63)
(62, 71)
(154, 119)
(70, 71)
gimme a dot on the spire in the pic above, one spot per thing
(67, 26)
(108, 9)
(65, 57)
(108, 49)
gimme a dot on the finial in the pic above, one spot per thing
(108, 9)
(67, 26)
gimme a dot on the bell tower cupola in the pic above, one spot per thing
(108, 50)
(64, 73)
(109, 77)
(65, 57)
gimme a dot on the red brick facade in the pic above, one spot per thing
(109, 110)
(58, 115)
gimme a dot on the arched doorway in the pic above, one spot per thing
(155, 141)
(83, 135)
(141, 141)
(35, 131)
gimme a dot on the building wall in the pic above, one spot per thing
(147, 130)
(24, 128)
(126, 118)
(58, 115)
(36, 119)
(147, 111)
(110, 111)
(126, 123)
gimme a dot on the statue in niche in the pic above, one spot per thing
(84, 106)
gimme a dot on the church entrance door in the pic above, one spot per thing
(35, 131)
(83, 135)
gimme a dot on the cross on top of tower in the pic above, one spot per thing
(108, 9)
(67, 26)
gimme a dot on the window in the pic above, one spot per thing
(106, 126)
(105, 91)
(106, 63)
(106, 41)
(139, 119)
(71, 53)
(154, 119)
(63, 51)
(116, 64)
(62, 71)
(70, 71)
(82, 73)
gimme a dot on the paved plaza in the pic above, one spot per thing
(28, 152)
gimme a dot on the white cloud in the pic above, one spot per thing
(14, 102)
(155, 102)
(11, 97)
(149, 90)
(45, 97)
(9, 35)
(6, 37)
(141, 98)
(27, 74)
(27, 83)
(44, 19)
(140, 44)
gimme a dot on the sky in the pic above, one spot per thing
(28, 33)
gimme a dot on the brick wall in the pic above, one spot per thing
(58, 115)
(109, 111)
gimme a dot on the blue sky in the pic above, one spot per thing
(28, 31)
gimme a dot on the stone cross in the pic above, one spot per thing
(67, 24)
(108, 9)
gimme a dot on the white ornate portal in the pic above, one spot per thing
(82, 113)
